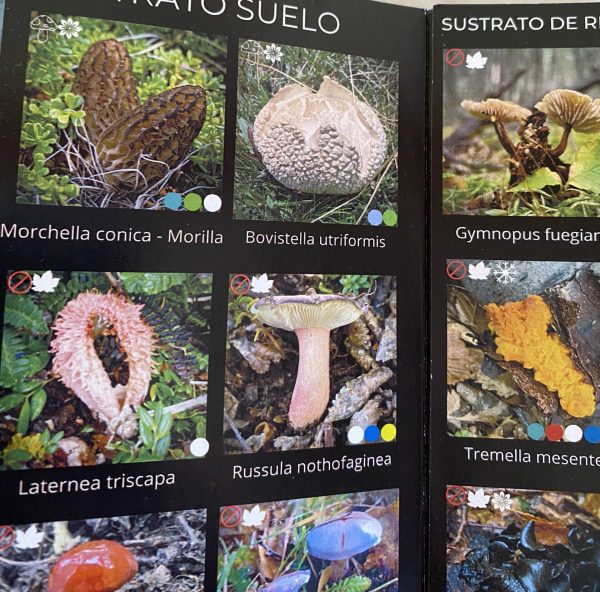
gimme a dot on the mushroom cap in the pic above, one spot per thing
(95, 566)
(326, 142)
(496, 110)
(307, 311)
(344, 537)
(569, 107)
(289, 583)
(43, 22)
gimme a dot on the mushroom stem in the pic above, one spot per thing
(311, 392)
(504, 139)
(564, 142)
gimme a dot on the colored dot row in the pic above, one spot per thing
(377, 218)
(372, 434)
(558, 433)
(192, 202)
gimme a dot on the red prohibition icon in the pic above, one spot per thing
(231, 517)
(19, 282)
(7, 537)
(240, 284)
(456, 495)
(456, 270)
(455, 57)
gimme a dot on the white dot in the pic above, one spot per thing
(199, 447)
(213, 203)
(573, 433)
(356, 435)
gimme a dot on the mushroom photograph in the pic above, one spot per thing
(317, 136)
(103, 368)
(523, 353)
(342, 543)
(121, 115)
(521, 136)
(127, 553)
(309, 357)
(523, 540)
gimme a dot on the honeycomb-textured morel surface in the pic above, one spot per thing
(105, 81)
(145, 144)
(327, 142)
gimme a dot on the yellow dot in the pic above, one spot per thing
(388, 432)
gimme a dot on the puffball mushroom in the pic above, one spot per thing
(96, 566)
(312, 317)
(78, 365)
(289, 583)
(326, 142)
(344, 537)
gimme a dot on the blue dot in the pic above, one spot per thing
(592, 434)
(173, 201)
(536, 431)
(372, 434)
(375, 218)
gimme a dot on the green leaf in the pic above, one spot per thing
(24, 418)
(38, 402)
(10, 402)
(146, 434)
(18, 455)
(22, 313)
(151, 283)
(585, 172)
(14, 366)
(162, 447)
(537, 181)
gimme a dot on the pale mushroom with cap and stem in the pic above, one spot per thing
(44, 25)
(499, 113)
(573, 111)
(312, 317)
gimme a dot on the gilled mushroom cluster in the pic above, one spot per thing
(571, 110)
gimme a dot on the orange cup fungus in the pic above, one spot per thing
(96, 566)
(521, 330)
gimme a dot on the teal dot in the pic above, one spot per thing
(173, 201)
(390, 218)
(375, 218)
(536, 431)
(192, 202)
(592, 434)
(372, 434)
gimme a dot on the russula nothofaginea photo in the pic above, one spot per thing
(311, 318)
(309, 357)
(106, 346)
(315, 130)
(543, 106)
(342, 542)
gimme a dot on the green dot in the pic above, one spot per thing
(390, 218)
(192, 202)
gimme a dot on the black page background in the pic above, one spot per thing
(368, 28)
(447, 459)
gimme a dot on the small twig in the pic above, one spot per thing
(186, 405)
(188, 529)
(237, 433)
(391, 161)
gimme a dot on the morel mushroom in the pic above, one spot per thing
(326, 142)
(105, 82)
(312, 318)
(96, 566)
(344, 537)
(498, 112)
(572, 110)
(78, 365)
(143, 145)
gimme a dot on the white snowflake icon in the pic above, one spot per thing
(505, 272)
(501, 501)
(69, 28)
(273, 53)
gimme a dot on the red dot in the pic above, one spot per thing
(555, 432)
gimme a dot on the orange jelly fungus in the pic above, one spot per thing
(521, 330)
(97, 566)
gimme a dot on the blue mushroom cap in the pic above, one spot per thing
(344, 537)
(289, 583)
